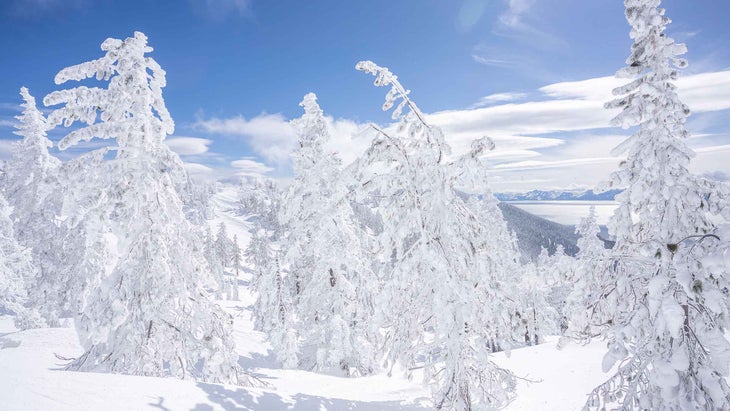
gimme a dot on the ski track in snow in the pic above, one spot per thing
(32, 377)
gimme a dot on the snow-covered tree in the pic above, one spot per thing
(443, 302)
(236, 262)
(323, 252)
(667, 311)
(586, 278)
(273, 312)
(259, 202)
(215, 262)
(150, 314)
(15, 269)
(33, 191)
(224, 245)
(541, 292)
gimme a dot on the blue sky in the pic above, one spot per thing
(236, 70)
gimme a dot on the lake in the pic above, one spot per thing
(567, 212)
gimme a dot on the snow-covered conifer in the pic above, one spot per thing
(224, 245)
(150, 315)
(586, 279)
(215, 262)
(15, 269)
(443, 301)
(236, 262)
(325, 258)
(32, 188)
(667, 311)
(273, 312)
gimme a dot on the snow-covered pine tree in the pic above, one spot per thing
(236, 261)
(442, 304)
(215, 262)
(150, 315)
(258, 253)
(667, 312)
(15, 268)
(539, 295)
(323, 251)
(32, 188)
(273, 312)
(224, 245)
(259, 200)
(586, 280)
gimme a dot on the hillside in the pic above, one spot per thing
(559, 380)
(535, 232)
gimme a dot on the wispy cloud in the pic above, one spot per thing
(7, 123)
(498, 98)
(561, 140)
(11, 107)
(514, 15)
(188, 145)
(516, 22)
(250, 167)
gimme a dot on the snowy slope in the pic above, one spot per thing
(534, 233)
(32, 379)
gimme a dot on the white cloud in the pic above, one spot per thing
(188, 145)
(250, 167)
(558, 142)
(513, 23)
(498, 98)
(269, 135)
(701, 92)
(516, 10)
(8, 123)
(347, 139)
(11, 107)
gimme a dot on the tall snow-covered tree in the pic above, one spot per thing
(215, 262)
(273, 312)
(236, 261)
(150, 314)
(224, 245)
(443, 302)
(586, 279)
(325, 257)
(667, 311)
(32, 188)
(15, 269)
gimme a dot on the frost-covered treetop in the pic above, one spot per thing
(656, 151)
(311, 126)
(655, 60)
(413, 121)
(32, 125)
(131, 108)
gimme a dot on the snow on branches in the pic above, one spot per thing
(666, 308)
(149, 313)
(443, 303)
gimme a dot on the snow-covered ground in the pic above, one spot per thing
(32, 378)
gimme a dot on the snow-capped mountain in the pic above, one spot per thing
(557, 195)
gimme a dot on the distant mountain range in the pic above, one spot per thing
(540, 195)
